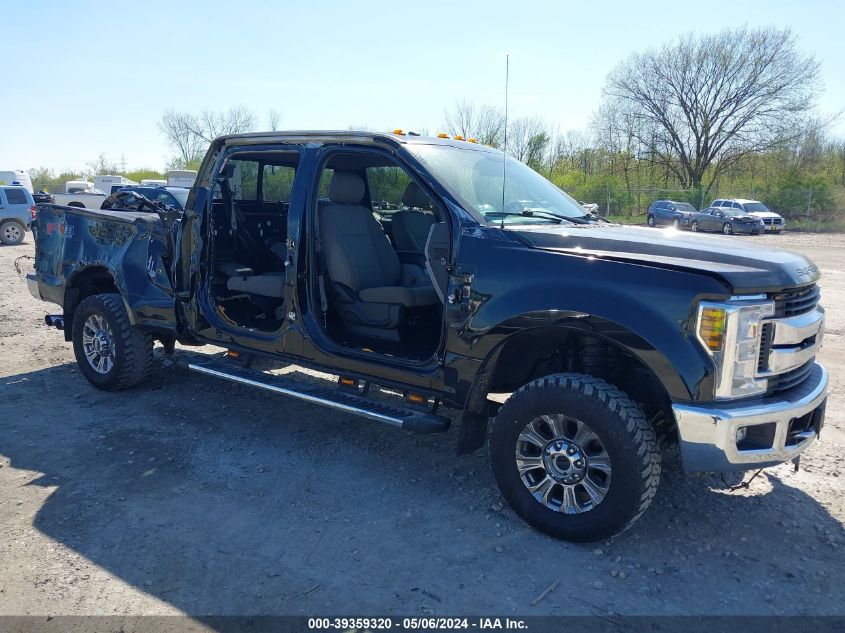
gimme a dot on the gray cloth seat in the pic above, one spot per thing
(230, 269)
(369, 285)
(411, 226)
(266, 285)
(241, 279)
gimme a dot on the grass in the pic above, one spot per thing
(628, 219)
(807, 225)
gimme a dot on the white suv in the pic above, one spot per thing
(772, 222)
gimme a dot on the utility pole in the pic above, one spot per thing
(123, 163)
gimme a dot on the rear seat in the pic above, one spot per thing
(266, 285)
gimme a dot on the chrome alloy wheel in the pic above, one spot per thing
(563, 463)
(98, 343)
(12, 232)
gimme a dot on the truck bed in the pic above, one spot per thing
(116, 251)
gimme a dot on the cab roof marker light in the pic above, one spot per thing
(472, 140)
(443, 135)
(458, 137)
(399, 132)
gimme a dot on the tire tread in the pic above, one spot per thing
(634, 422)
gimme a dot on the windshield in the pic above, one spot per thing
(686, 207)
(751, 207)
(474, 177)
(181, 195)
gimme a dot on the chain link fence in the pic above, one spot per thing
(825, 203)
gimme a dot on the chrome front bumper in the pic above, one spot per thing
(32, 286)
(777, 429)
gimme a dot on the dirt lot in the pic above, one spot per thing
(188, 495)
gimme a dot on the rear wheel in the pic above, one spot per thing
(727, 229)
(12, 232)
(651, 221)
(575, 457)
(110, 353)
(694, 227)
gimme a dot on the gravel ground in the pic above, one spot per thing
(188, 495)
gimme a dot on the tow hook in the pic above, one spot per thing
(55, 320)
(797, 463)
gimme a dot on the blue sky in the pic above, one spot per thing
(84, 78)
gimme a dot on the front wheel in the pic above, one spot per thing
(727, 229)
(12, 232)
(111, 354)
(575, 457)
(676, 224)
(694, 227)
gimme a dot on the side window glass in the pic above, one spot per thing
(277, 183)
(387, 187)
(15, 196)
(325, 181)
(244, 180)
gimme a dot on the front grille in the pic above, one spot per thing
(787, 304)
(766, 336)
(771, 221)
(795, 302)
(790, 379)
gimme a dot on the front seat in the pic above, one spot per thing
(411, 227)
(368, 285)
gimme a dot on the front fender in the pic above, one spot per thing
(645, 310)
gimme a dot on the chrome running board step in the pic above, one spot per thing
(337, 398)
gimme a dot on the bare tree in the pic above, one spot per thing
(102, 166)
(190, 134)
(527, 140)
(274, 117)
(700, 105)
(484, 123)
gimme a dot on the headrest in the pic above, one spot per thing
(346, 188)
(414, 196)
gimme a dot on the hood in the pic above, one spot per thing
(746, 217)
(764, 214)
(742, 265)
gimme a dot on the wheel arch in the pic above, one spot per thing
(623, 359)
(91, 280)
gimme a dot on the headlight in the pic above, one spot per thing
(730, 332)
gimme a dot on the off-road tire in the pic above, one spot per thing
(133, 349)
(627, 436)
(12, 232)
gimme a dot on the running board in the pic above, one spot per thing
(334, 398)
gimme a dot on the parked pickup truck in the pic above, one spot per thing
(395, 261)
(80, 193)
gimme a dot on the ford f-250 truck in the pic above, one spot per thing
(445, 273)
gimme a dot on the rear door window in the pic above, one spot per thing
(15, 196)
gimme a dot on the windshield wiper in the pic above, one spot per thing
(530, 213)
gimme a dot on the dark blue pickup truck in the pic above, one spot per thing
(444, 273)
